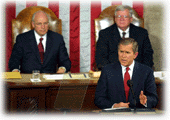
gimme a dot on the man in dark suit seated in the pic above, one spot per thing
(40, 49)
(112, 90)
(106, 48)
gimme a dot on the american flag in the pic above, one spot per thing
(77, 26)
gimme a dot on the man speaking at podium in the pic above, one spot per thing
(112, 90)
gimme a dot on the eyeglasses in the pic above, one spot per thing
(124, 16)
(39, 24)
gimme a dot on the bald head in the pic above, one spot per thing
(40, 22)
(40, 12)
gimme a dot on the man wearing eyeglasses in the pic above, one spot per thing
(40, 49)
(106, 48)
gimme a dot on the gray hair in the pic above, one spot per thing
(124, 7)
(127, 41)
(33, 17)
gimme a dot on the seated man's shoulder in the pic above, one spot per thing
(144, 67)
(24, 36)
(108, 29)
(138, 28)
(26, 33)
(54, 34)
(111, 65)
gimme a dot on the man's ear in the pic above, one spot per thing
(136, 54)
(131, 19)
(33, 24)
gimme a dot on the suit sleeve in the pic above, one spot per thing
(101, 99)
(147, 51)
(16, 56)
(63, 56)
(150, 91)
(101, 51)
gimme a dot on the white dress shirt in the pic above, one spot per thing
(126, 31)
(130, 69)
(37, 37)
(130, 73)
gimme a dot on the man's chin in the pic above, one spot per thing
(42, 33)
(122, 63)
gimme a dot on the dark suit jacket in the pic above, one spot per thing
(26, 54)
(110, 88)
(107, 45)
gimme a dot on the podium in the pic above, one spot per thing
(73, 99)
(22, 95)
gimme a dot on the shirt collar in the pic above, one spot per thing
(37, 36)
(121, 31)
(131, 66)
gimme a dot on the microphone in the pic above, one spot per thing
(130, 84)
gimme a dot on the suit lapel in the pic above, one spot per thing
(115, 33)
(132, 32)
(49, 45)
(136, 75)
(135, 78)
(120, 82)
(34, 46)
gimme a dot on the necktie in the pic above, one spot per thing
(126, 78)
(123, 35)
(41, 50)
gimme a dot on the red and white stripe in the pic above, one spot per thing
(77, 26)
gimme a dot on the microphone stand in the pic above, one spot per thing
(134, 100)
(130, 84)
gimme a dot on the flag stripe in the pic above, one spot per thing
(77, 26)
(75, 36)
(54, 6)
(95, 12)
(31, 3)
(117, 3)
(43, 3)
(85, 40)
(138, 7)
(20, 6)
(105, 4)
(127, 2)
(64, 15)
(10, 14)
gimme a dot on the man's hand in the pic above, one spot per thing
(121, 104)
(61, 70)
(15, 70)
(143, 98)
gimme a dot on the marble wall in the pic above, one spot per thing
(154, 23)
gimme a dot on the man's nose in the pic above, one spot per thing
(42, 26)
(122, 18)
(123, 54)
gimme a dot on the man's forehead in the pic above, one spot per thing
(40, 15)
(123, 10)
(130, 44)
(123, 47)
(41, 19)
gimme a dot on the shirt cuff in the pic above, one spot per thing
(16, 69)
(113, 105)
(145, 104)
(63, 68)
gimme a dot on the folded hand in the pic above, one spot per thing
(121, 104)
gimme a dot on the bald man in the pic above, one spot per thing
(49, 55)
